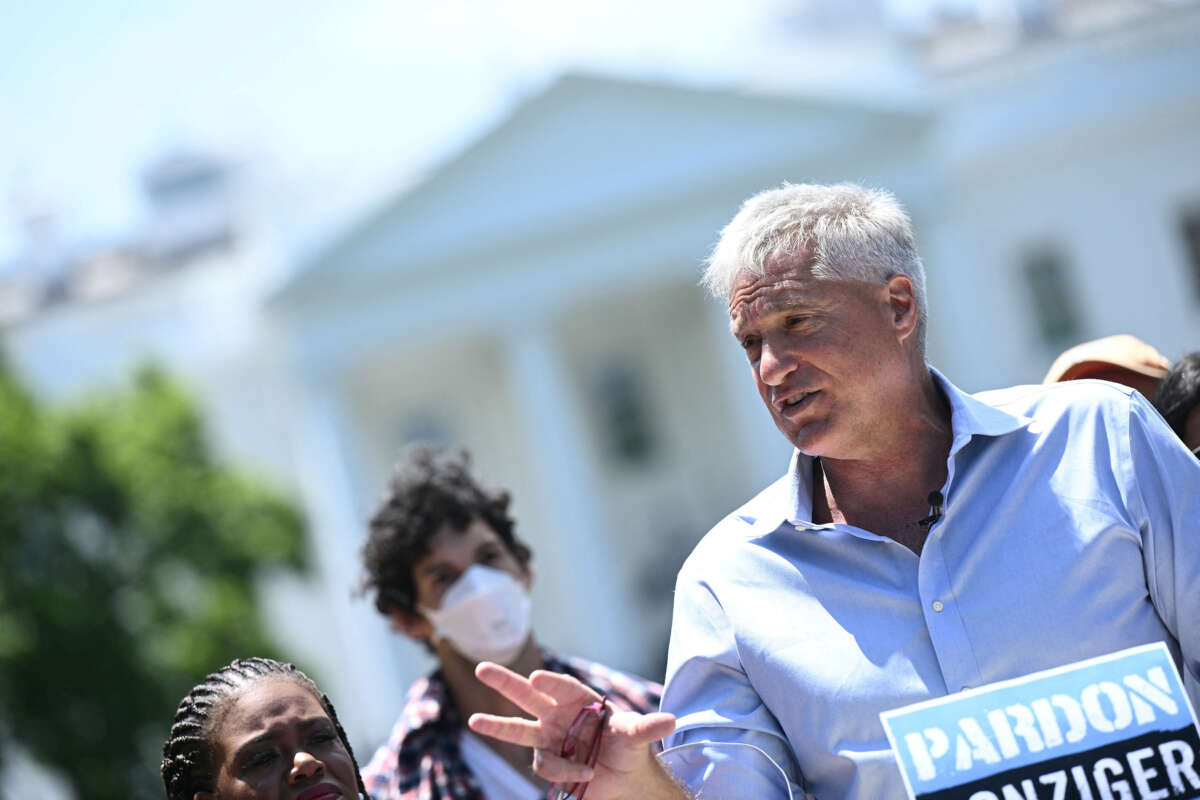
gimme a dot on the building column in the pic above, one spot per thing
(586, 581)
(364, 671)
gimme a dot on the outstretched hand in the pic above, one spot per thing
(625, 765)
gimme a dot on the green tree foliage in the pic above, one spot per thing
(127, 566)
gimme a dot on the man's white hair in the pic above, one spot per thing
(854, 234)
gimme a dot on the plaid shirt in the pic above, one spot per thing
(421, 760)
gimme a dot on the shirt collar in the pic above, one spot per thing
(972, 417)
(791, 497)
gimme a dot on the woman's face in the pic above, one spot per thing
(275, 742)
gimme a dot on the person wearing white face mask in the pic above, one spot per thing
(485, 615)
(446, 568)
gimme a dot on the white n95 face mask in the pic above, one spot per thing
(485, 615)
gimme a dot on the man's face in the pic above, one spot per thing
(827, 355)
(452, 551)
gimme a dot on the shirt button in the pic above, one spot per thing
(937, 606)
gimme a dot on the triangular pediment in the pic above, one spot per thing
(586, 148)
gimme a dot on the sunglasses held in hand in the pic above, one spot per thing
(583, 738)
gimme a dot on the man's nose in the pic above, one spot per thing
(774, 363)
(305, 767)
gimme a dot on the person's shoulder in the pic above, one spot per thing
(1044, 402)
(382, 773)
(425, 702)
(754, 518)
(416, 731)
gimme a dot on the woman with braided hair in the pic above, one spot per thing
(258, 729)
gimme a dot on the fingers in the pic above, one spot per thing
(555, 699)
(642, 729)
(524, 732)
(557, 769)
(568, 692)
(546, 761)
(516, 688)
(564, 689)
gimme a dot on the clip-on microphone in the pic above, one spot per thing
(936, 503)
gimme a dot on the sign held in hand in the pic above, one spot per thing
(1118, 727)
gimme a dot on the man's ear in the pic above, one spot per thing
(411, 624)
(902, 305)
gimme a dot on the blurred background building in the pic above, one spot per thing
(534, 296)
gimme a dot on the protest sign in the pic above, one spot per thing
(1118, 727)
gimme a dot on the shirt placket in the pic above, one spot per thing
(939, 604)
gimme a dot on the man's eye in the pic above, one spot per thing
(488, 557)
(749, 342)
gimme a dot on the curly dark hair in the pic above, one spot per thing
(1179, 392)
(187, 764)
(431, 487)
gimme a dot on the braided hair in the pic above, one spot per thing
(187, 765)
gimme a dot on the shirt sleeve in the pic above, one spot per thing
(714, 702)
(721, 770)
(1165, 500)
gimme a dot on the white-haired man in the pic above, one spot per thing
(923, 540)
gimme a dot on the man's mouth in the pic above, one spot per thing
(797, 401)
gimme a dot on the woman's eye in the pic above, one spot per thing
(322, 737)
(488, 557)
(260, 759)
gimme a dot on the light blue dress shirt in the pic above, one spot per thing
(1071, 530)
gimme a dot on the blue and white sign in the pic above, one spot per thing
(1118, 727)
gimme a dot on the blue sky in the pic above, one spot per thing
(349, 98)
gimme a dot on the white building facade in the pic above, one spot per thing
(536, 301)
